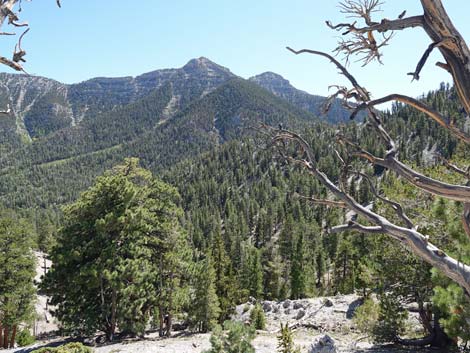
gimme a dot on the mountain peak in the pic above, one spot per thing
(205, 65)
(271, 80)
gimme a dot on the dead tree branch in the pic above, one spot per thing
(422, 107)
(356, 227)
(413, 239)
(395, 205)
(7, 14)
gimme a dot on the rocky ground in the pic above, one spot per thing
(310, 319)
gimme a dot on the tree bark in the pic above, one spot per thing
(161, 318)
(112, 326)
(5, 337)
(438, 26)
(13, 336)
(437, 338)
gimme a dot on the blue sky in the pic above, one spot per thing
(90, 38)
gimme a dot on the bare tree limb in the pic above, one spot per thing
(382, 26)
(365, 96)
(356, 227)
(413, 239)
(422, 107)
(324, 202)
(435, 187)
(395, 205)
(466, 206)
(425, 57)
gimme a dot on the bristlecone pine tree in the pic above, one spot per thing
(366, 40)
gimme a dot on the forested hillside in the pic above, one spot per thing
(246, 215)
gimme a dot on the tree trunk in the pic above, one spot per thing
(437, 338)
(441, 340)
(170, 307)
(1, 334)
(425, 316)
(5, 338)
(13, 336)
(160, 315)
(169, 324)
(112, 326)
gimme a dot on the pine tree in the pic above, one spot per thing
(236, 339)
(286, 341)
(298, 285)
(205, 308)
(225, 283)
(257, 318)
(252, 272)
(120, 254)
(17, 272)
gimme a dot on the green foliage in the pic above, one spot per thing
(257, 317)
(286, 341)
(454, 307)
(205, 307)
(390, 321)
(120, 254)
(25, 338)
(236, 338)
(252, 272)
(366, 316)
(17, 271)
(67, 348)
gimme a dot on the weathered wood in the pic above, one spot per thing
(13, 336)
(417, 242)
(6, 334)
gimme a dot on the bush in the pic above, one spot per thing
(258, 320)
(391, 320)
(384, 321)
(236, 339)
(366, 316)
(25, 338)
(286, 341)
(68, 348)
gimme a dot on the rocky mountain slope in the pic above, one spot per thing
(40, 106)
(311, 320)
(281, 87)
(58, 137)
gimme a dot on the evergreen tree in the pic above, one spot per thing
(286, 341)
(252, 272)
(120, 254)
(17, 271)
(257, 318)
(236, 338)
(205, 308)
(225, 283)
(298, 281)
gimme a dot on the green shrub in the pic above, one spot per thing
(366, 316)
(236, 338)
(286, 341)
(68, 348)
(454, 307)
(258, 320)
(25, 338)
(391, 320)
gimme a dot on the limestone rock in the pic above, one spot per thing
(323, 344)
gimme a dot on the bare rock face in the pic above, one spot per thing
(267, 307)
(300, 314)
(325, 314)
(323, 344)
